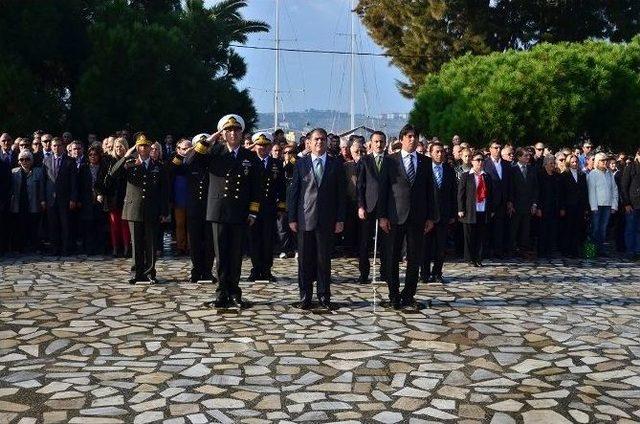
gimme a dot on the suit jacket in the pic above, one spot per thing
(63, 187)
(630, 185)
(574, 194)
(147, 196)
(273, 191)
(315, 206)
(501, 186)
(88, 191)
(444, 203)
(5, 185)
(400, 201)
(35, 189)
(523, 192)
(368, 185)
(234, 183)
(197, 174)
(467, 198)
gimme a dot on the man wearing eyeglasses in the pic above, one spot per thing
(538, 155)
(587, 149)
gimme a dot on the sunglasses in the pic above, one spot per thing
(539, 149)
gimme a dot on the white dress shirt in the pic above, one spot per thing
(405, 162)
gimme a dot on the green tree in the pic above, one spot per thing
(422, 35)
(553, 93)
(165, 66)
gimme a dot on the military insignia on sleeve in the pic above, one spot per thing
(246, 164)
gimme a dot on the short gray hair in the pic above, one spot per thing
(25, 154)
(548, 159)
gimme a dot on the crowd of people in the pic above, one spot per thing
(226, 194)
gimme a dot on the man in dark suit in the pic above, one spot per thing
(5, 190)
(444, 190)
(233, 202)
(498, 170)
(146, 204)
(523, 195)
(368, 190)
(199, 230)
(405, 212)
(574, 207)
(61, 194)
(272, 204)
(316, 208)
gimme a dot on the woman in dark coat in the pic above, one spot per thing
(548, 211)
(475, 208)
(113, 190)
(91, 176)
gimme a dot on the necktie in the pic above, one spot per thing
(56, 166)
(378, 162)
(524, 171)
(411, 170)
(264, 162)
(318, 170)
(146, 165)
(438, 175)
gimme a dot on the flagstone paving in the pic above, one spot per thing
(555, 342)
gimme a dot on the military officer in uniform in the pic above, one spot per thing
(272, 204)
(232, 202)
(198, 229)
(146, 204)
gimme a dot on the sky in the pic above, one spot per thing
(311, 80)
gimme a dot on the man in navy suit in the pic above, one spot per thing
(316, 209)
(500, 171)
(405, 212)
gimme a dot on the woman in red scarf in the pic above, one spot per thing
(475, 208)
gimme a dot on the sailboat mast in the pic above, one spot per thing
(276, 90)
(352, 109)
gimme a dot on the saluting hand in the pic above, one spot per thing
(339, 227)
(293, 226)
(213, 138)
(362, 213)
(251, 220)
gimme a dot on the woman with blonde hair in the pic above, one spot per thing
(114, 191)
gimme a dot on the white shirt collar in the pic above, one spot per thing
(405, 154)
(323, 158)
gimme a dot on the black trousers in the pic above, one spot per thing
(261, 236)
(474, 234)
(365, 245)
(94, 234)
(25, 225)
(143, 240)
(519, 231)
(58, 216)
(572, 231)
(285, 236)
(498, 234)
(434, 249)
(414, 234)
(314, 263)
(548, 234)
(227, 244)
(202, 253)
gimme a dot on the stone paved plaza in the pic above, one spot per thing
(551, 342)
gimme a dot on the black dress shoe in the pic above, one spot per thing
(363, 280)
(193, 279)
(326, 304)
(479, 264)
(253, 276)
(411, 304)
(152, 279)
(429, 279)
(396, 304)
(439, 280)
(239, 303)
(209, 277)
(221, 303)
(133, 280)
(270, 277)
(305, 305)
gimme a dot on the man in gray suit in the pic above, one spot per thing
(316, 208)
(146, 204)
